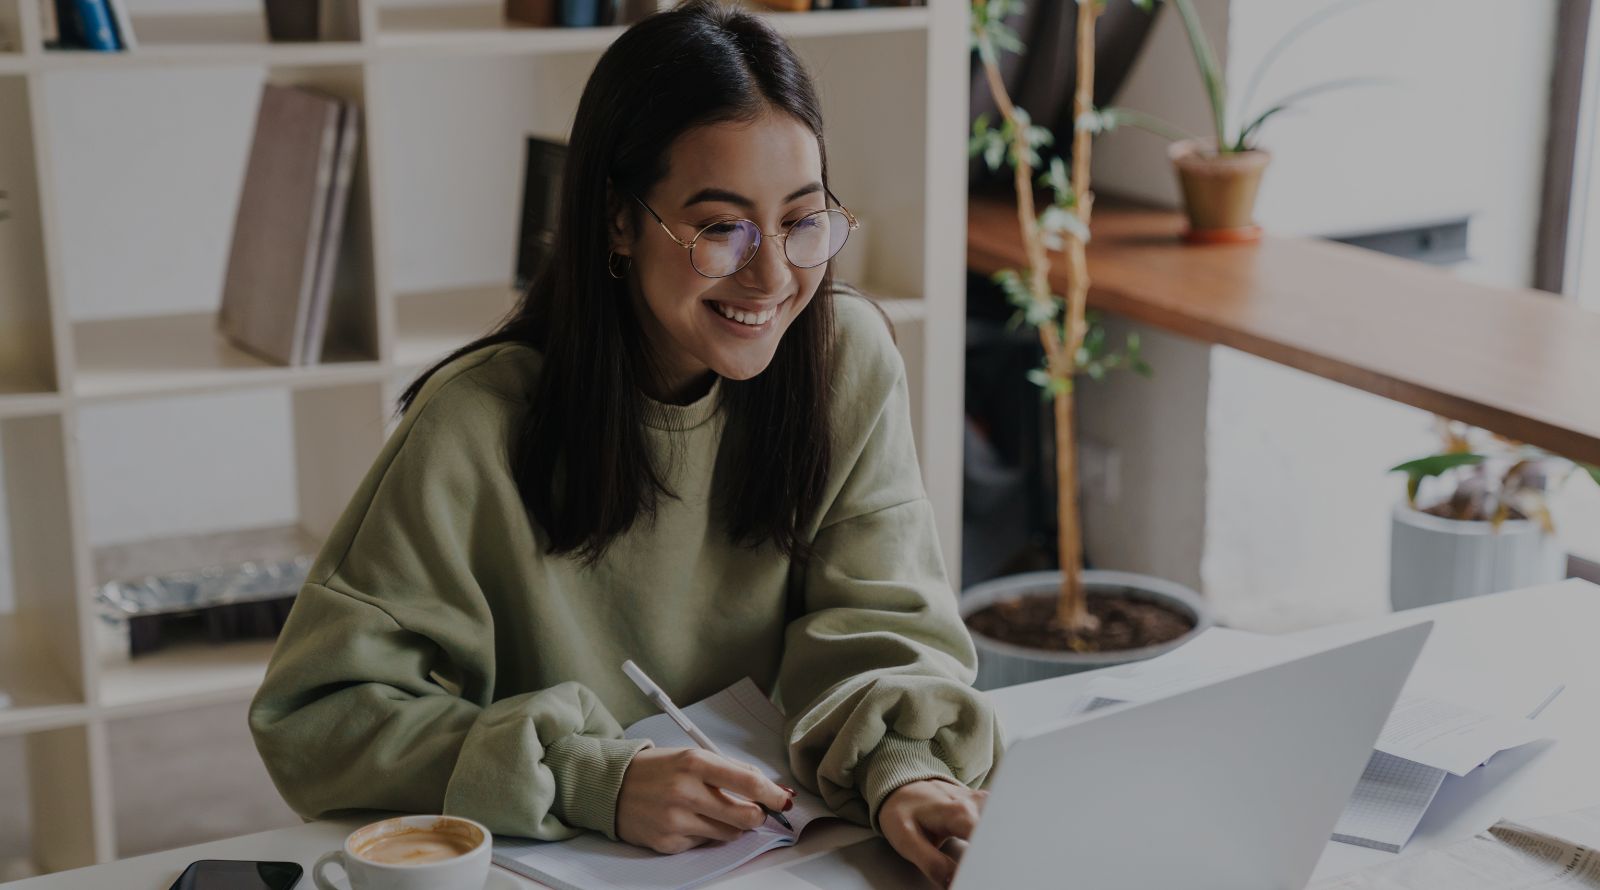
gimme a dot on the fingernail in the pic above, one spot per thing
(788, 789)
(788, 805)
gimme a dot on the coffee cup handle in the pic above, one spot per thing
(332, 857)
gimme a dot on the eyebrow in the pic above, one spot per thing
(716, 194)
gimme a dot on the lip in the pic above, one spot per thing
(747, 306)
(739, 329)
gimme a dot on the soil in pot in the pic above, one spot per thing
(1126, 622)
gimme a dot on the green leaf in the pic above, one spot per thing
(1059, 182)
(1295, 33)
(1287, 102)
(1210, 71)
(994, 153)
(1593, 471)
(1435, 464)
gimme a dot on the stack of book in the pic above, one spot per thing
(287, 232)
(102, 25)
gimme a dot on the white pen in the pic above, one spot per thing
(662, 701)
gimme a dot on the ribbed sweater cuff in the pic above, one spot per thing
(896, 761)
(588, 773)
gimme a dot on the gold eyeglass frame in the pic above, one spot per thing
(783, 236)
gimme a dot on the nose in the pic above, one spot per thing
(768, 272)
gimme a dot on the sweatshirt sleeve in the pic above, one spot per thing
(877, 669)
(381, 690)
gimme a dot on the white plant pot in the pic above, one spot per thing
(1436, 560)
(1006, 664)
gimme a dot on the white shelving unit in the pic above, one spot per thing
(427, 257)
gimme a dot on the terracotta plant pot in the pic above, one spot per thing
(1219, 191)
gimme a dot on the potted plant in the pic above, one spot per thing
(1219, 176)
(1486, 524)
(1042, 624)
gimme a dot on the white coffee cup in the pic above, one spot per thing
(412, 853)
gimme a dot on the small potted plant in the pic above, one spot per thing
(1476, 519)
(1219, 176)
(1041, 624)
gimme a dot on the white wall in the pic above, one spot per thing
(1296, 498)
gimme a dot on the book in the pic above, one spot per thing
(747, 727)
(333, 231)
(123, 23)
(90, 25)
(541, 207)
(539, 13)
(277, 231)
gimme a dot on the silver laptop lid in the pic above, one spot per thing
(1235, 785)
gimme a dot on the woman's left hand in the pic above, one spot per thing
(920, 816)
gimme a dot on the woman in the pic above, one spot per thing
(680, 449)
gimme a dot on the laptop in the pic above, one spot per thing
(1234, 784)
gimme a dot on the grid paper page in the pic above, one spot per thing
(1388, 802)
(747, 727)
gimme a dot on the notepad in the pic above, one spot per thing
(747, 727)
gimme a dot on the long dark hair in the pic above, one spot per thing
(582, 463)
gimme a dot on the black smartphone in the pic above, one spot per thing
(234, 874)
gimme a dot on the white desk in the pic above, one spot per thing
(1502, 652)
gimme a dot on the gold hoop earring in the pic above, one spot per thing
(611, 264)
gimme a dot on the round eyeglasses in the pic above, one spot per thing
(724, 247)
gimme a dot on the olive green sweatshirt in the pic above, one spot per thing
(438, 660)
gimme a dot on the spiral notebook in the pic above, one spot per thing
(747, 727)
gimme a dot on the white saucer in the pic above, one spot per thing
(499, 879)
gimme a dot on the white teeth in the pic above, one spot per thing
(749, 318)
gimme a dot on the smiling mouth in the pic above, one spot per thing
(744, 317)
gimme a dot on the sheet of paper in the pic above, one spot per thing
(1555, 851)
(747, 727)
(1449, 736)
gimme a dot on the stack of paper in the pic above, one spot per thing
(1552, 851)
(1426, 739)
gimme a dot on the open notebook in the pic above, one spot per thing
(747, 727)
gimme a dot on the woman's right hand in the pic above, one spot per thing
(673, 799)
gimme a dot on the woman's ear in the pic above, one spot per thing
(619, 221)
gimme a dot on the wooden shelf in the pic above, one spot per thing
(432, 324)
(206, 38)
(1517, 362)
(184, 676)
(41, 697)
(24, 401)
(170, 354)
(483, 29)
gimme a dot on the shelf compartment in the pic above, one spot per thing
(432, 324)
(145, 297)
(178, 353)
(27, 351)
(187, 673)
(482, 28)
(41, 662)
(217, 37)
(65, 832)
(327, 439)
